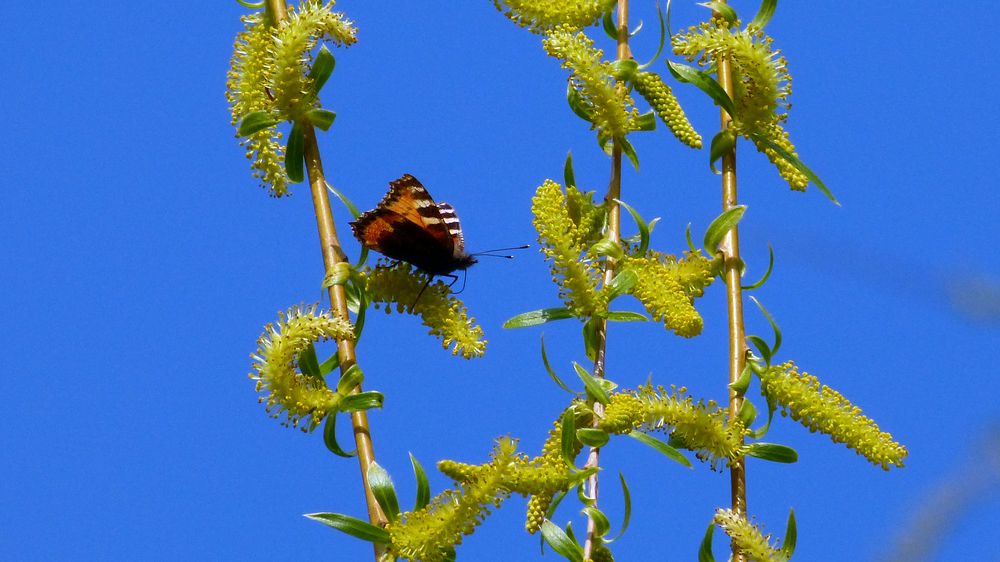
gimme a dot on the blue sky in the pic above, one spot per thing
(141, 262)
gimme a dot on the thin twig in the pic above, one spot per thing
(734, 299)
(333, 255)
(614, 234)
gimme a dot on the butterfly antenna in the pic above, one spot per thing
(492, 255)
(426, 283)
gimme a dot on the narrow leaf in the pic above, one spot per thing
(772, 452)
(722, 143)
(723, 9)
(384, 491)
(351, 207)
(423, 486)
(762, 348)
(788, 543)
(741, 384)
(577, 103)
(548, 368)
(568, 176)
(601, 523)
(350, 379)
(308, 363)
(629, 151)
(295, 154)
(330, 437)
(322, 118)
(661, 447)
(627, 499)
(352, 526)
(747, 413)
(590, 338)
(764, 13)
(560, 542)
(622, 283)
(608, 23)
(594, 388)
(646, 121)
(720, 226)
(799, 165)
(705, 551)
(704, 82)
(641, 224)
(593, 437)
(362, 401)
(767, 274)
(663, 36)
(760, 432)
(774, 326)
(254, 122)
(626, 316)
(322, 68)
(567, 437)
(538, 317)
(331, 363)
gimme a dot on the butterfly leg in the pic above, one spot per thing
(422, 289)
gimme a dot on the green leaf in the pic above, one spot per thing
(767, 274)
(567, 437)
(747, 413)
(720, 226)
(798, 164)
(548, 368)
(741, 384)
(774, 326)
(255, 122)
(661, 447)
(705, 551)
(331, 363)
(622, 284)
(704, 82)
(568, 176)
(627, 498)
(687, 235)
(722, 143)
(362, 401)
(626, 316)
(760, 432)
(322, 68)
(320, 117)
(764, 13)
(560, 542)
(624, 69)
(594, 388)
(423, 487)
(538, 317)
(607, 247)
(663, 36)
(593, 437)
(295, 154)
(590, 338)
(309, 364)
(352, 526)
(646, 122)
(788, 543)
(762, 347)
(351, 207)
(350, 379)
(644, 227)
(578, 104)
(601, 523)
(772, 452)
(330, 437)
(384, 491)
(725, 10)
(629, 151)
(251, 5)
(608, 23)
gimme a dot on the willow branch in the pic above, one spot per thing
(734, 298)
(614, 234)
(333, 254)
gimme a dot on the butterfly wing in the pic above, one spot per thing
(408, 225)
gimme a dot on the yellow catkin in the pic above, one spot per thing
(821, 408)
(747, 538)
(667, 286)
(544, 15)
(397, 287)
(663, 101)
(282, 387)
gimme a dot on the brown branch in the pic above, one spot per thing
(734, 298)
(333, 255)
(614, 234)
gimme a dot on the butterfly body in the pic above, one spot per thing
(408, 225)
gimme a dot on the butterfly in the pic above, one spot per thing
(408, 225)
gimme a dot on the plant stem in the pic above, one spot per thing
(614, 234)
(333, 255)
(734, 299)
